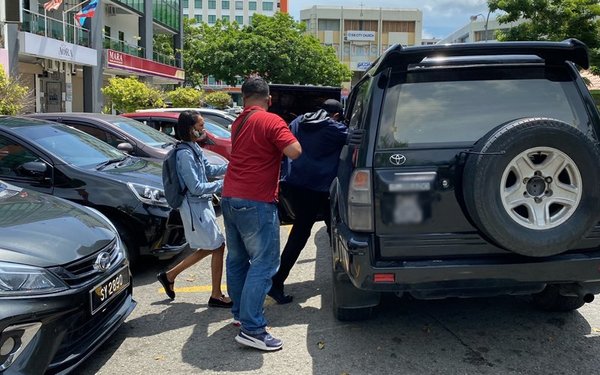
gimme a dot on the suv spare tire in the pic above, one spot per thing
(532, 186)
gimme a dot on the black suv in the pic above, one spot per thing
(477, 175)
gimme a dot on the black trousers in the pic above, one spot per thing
(309, 207)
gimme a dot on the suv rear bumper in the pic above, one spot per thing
(467, 277)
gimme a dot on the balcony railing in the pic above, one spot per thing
(165, 59)
(39, 24)
(121, 46)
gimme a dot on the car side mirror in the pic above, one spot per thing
(35, 169)
(125, 147)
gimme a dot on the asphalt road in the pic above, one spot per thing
(503, 335)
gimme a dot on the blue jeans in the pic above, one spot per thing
(252, 230)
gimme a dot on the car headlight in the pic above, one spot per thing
(23, 280)
(148, 194)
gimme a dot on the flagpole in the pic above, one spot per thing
(65, 21)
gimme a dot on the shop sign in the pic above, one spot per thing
(361, 36)
(53, 49)
(120, 60)
(363, 65)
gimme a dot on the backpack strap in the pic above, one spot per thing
(239, 128)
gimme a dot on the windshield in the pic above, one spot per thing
(72, 145)
(144, 133)
(217, 130)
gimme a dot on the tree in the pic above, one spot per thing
(129, 94)
(553, 20)
(218, 99)
(185, 97)
(276, 48)
(12, 95)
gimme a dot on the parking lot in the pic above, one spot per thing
(502, 335)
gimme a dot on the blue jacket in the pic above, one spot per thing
(195, 174)
(322, 139)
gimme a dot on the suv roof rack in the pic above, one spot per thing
(552, 52)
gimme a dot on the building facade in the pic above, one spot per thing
(360, 35)
(479, 29)
(66, 65)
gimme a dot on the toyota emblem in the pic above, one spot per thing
(102, 262)
(397, 159)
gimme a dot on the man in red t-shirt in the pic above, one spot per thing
(249, 205)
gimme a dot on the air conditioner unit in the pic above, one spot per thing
(110, 10)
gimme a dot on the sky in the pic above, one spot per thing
(440, 17)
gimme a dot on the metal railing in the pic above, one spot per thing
(122, 46)
(40, 24)
(165, 59)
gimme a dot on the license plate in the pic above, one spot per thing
(407, 209)
(104, 292)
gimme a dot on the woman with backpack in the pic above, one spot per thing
(197, 213)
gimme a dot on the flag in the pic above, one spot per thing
(52, 5)
(85, 12)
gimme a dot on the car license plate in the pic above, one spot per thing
(407, 209)
(104, 292)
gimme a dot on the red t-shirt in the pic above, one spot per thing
(255, 162)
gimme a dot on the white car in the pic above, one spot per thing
(216, 116)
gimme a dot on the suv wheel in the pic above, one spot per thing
(550, 299)
(531, 186)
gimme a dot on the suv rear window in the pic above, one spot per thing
(451, 106)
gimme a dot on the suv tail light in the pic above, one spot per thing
(360, 201)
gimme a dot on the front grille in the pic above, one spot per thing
(82, 271)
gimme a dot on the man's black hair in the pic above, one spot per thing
(185, 123)
(255, 87)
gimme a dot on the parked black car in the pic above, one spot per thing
(477, 175)
(56, 159)
(125, 134)
(65, 285)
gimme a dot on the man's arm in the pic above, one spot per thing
(293, 151)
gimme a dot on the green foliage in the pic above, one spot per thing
(129, 94)
(183, 97)
(218, 99)
(550, 19)
(596, 96)
(274, 47)
(12, 95)
(553, 20)
(163, 44)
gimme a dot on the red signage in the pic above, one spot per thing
(116, 59)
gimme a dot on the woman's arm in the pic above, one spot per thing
(192, 176)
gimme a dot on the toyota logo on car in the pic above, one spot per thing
(397, 159)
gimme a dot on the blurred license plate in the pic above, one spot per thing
(407, 209)
(104, 292)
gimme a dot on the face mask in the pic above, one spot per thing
(196, 133)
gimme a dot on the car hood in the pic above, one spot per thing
(136, 170)
(42, 230)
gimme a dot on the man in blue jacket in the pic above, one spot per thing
(306, 181)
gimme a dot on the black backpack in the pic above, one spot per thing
(174, 192)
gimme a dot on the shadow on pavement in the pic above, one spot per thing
(454, 336)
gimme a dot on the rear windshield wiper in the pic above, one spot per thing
(165, 145)
(104, 164)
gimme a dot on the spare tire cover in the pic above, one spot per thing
(532, 186)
